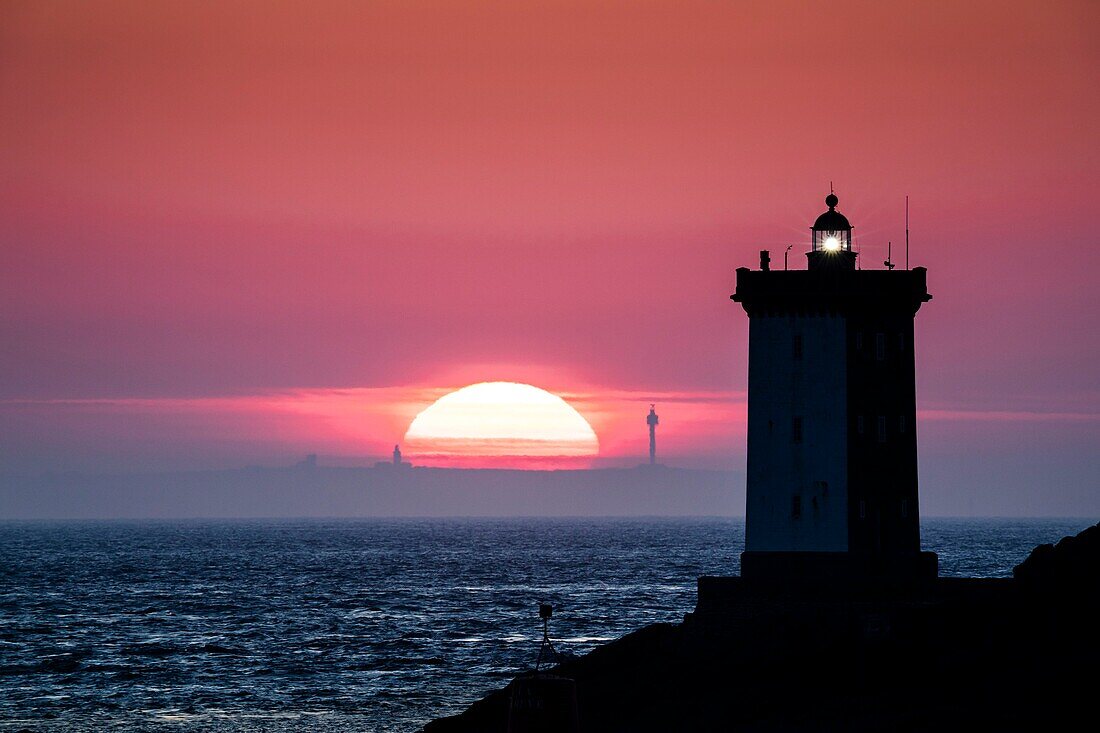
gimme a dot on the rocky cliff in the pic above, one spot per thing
(1005, 654)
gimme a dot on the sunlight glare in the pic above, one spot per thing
(502, 419)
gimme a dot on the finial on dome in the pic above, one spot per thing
(831, 201)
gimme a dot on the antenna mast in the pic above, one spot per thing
(907, 232)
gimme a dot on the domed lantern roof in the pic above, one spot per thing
(832, 220)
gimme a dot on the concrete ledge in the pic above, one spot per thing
(746, 597)
(810, 569)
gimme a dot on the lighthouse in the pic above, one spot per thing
(831, 480)
(651, 421)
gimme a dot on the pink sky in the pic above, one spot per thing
(239, 233)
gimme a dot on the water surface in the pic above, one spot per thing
(349, 625)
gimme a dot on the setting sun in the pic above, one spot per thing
(501, 420)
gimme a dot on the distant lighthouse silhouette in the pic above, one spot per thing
(652, 420)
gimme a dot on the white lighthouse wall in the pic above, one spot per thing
(783, 387)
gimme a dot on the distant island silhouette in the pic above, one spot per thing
(387, 490)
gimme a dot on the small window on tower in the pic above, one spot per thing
(904, 508)
(901, 342)
(862, 509)
(796, 507)
(797, 348)
(859, 424)
(796, 430)
(880, 346)
(882, 428)
(859, 340)
(901, 423)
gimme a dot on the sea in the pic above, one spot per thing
(351, 625)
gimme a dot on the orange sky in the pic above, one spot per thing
(226, 201)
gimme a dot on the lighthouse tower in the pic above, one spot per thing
(832, 452)
(652, 420)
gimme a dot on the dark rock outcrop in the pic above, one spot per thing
(1005, 654)
(1070, 567)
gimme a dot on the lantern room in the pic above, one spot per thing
(831, 245)
(831, 231)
